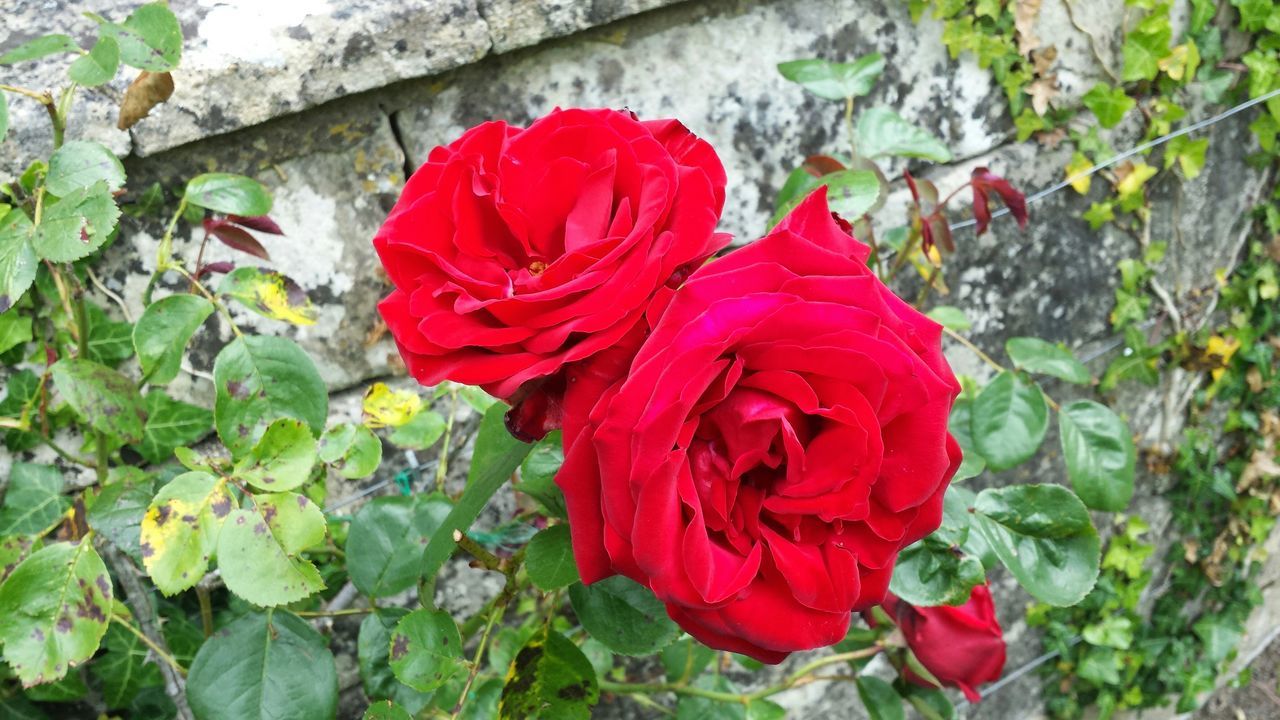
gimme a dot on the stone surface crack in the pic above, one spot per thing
(393, 119)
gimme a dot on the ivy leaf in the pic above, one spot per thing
(42, 46)
(125, 668)
(34, 500)
(1037, 356)
(383, 532)
(269, 294)
(18, 259)
(117, 515)
(258, 379)
(353, 450)
(1099, 453)
(550, 679)
(230, 194)
(882, 131)
(99, 66)
(1143, 52)
(426, 649)
(150, 38)
(257, 550)
(104, 398)
(78, 164)
(549, 559)
(623, 615)
(282, 458)
(1009, 419)
(833, 80)
(171, 424)
(54, 610)
(77, 224)
(264, 667)
(181, 527)
(110, 342)
(1043, 534)
(1109, 104)
(161, 335)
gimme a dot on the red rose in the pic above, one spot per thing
(779, 436)
(514, 252)
(962, 646)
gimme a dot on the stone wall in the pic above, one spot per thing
(332, 103)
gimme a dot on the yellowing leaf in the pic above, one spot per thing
(1180, 62)
(1132, 183)
(1224, 348)
(384, 407)
(269, 294)
(180, 529)
(1078, 166)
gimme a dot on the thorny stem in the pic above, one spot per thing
(495, 610)
(494, 617)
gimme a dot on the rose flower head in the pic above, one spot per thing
(962, 646)
(779, 436)
(514, 252)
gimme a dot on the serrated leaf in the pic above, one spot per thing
(99, 65)
(833, 80)
(960, 425)
(384, 407)
(383, 533)
(79, 164)
(882, 132)
(40, 47)
(264, 667)
(1037, 356)
(929, 573)
(256, 561)
(34, 500)
(281, 459)
(76, 225)
(538, 473)
(104, 398)
(171, 424)
(879, 698)
(373, 656)
(426, 649)
(54, 610)
(150, 38)
(550, 679)
(13, 550)
(181, 527)
(950, 317)
(1100, 455)
(549, 559)
(161, 335)
(386, 710)
(421, 432)
(258, 379)
(18, 259)
(353, 450)
(623, 615)
(1009, 419)
(230, 194)
(269, 294)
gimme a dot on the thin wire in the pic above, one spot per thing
(993, 688)
(1130, 153)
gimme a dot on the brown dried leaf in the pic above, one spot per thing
(145, 92)
(1042, 91)
(1024, 22)
(1254, 377)
(1043, 59)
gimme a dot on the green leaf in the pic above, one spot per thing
(117, 515)
(685, 659)
(181, 528)
(880, 699)
(78, 164)
(426, 649)
(264, 667)
(162, 333)
(34, 501)
(932, 704)
(538, 474)
(421, 432)
(1109, 104)
(1100, 455)
(550, 679)
(230, 194)
(269, 294)
(1113, 631)
(1220, 635)
(13, 550)
(1043, 534)
(257, 550)
(40, 47)
(258, 379)
(961, 425)
(125, 668)
(110, 342)
(950, 317)
(929, 573)
(832, 80)
(383, 533)
(150, 38)
(695, 707)
(171, 424)
(1037, 356)
(1143, 52)
(623, 615)
(4, 118)
(99, 66)
(495, 457)
(104, 398)
(76, 225)
(549, 559)
(882, 131)
(373, 653)
(1009, 421)
(353, 450)
(282, 458)
(18, 259)
(386, 710)
(53, 611)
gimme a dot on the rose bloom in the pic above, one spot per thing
(962, 646)
(514, 252)
(779, 436)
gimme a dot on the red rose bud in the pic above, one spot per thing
(962, 646)
(984, 183)
(515, 252)
(771, 445)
